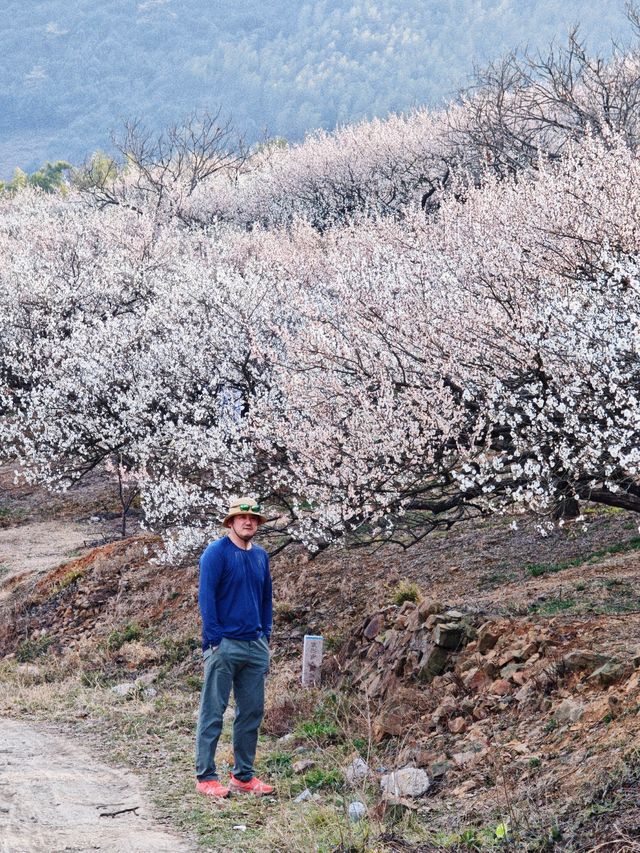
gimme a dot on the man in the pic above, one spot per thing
(236, 608)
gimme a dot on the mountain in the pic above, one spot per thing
(72, 72)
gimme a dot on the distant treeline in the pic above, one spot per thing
(73, 71)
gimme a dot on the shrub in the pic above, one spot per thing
(131, 631)
(71, 577)
(33, 648)
(175, 651)
(406, 591)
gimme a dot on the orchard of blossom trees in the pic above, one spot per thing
(378, 332)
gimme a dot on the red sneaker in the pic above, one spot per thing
(254, 786)
(212, 788)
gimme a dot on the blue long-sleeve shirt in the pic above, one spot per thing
(235, 593)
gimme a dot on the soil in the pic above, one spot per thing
(55, 796)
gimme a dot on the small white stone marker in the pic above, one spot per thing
(311, 659)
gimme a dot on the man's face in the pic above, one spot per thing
(244, 526)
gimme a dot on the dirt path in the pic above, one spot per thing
(54, 796)
(31, 548)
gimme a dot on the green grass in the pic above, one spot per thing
(116, 639)
(553, 606)
(496, 579)
(33, 648)
(319, 777)
(538, 569)
(319, 730)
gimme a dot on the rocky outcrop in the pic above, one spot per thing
(397, 648)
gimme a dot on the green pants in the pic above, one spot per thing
(242, 664)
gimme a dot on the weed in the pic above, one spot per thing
(116, 639)
(278, 763)
(194, 682)
(285, 610)
(534, 762)
(552, 606)
(317, 778)
(33, 648)
(93, 678)
(175, 651)
(495, 580)
(406, 591)
(333, 641)
(320, 730)
(71, 577)
(551, 725)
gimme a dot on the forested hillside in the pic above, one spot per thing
(72, 72)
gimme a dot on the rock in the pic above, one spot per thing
(454, 614)
(611, 672)
(509, 656)
(615, 705)
(148, 677)
(569, 712)
(457, 726)
(467, 704)
(127, 688)
(356, 772)
(580, 659)
(487, 637)
(465, 788)
(434, 662)
(304, 797)
(525, 693)
(429, 607)
(507, 672)
(374, 626)
(286, 738)
(476, 679)
(439, 768)
(479, 713)
(461, 759)
(530, 649)
(421, 757)
(388, 723)
(357, 811)
(407, 782)
(500, 687)
(29, 669)
(448, 635)
(303, 765)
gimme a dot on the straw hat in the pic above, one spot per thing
(244, 506)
